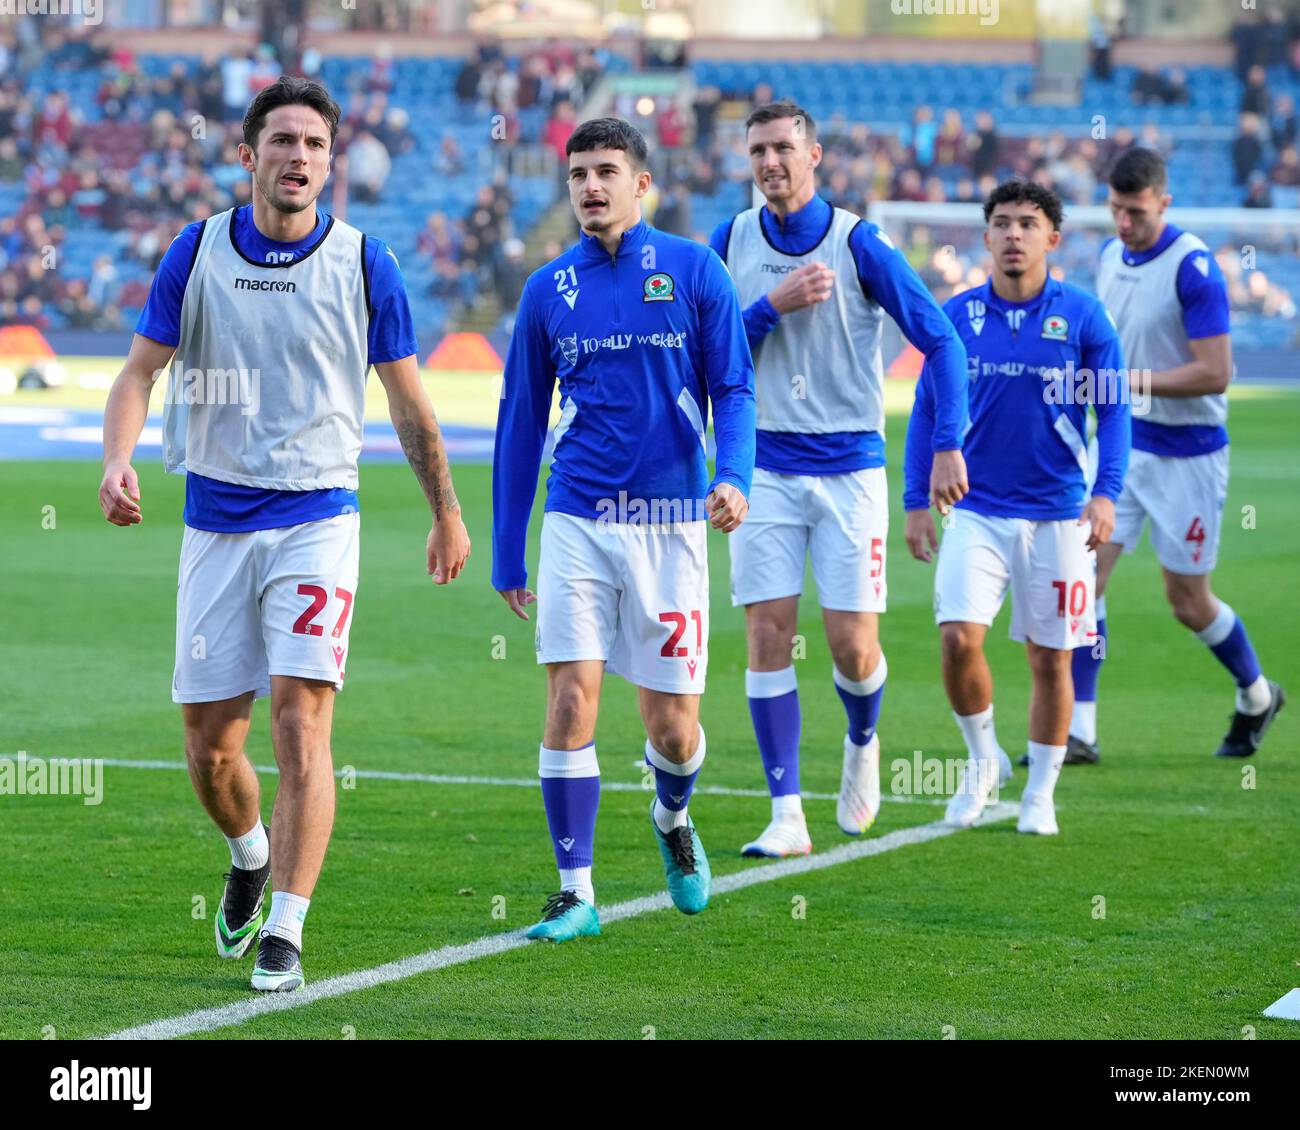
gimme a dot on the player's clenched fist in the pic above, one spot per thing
(119, 495)
(727, 507)
(810, 284)
(919, 534)
(948, 482)
(448, 547)
(1100, 512)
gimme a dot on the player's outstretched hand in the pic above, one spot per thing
(919, 534)
(810, 284)
(727, 507)
(119, 495)
(517, 598)
(948, 483)
(448, 547)
(1101, 513)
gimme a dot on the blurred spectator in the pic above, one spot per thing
(705, 109)
(510, 274)
(559, 129)
(1254, 98)
(368, 166)
(103, 281)
(950, 149)
(1282, 124)
(984, 146)
(674, 214)
(264, 70)
(1258, 193)
(11, 163)
(1152, 88)
(449, 162)
(1247, 149)
(1099, 47)
(671, 126)
(236, 77)
(922, 136)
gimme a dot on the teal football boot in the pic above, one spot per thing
(685, 866)
(565, 916)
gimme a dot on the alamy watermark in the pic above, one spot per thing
(1098, 386)
(942, 776)
(60, 776)
(986, 10)
(214, 386)
(90, 11)
(630, 511)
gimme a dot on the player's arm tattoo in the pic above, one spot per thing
(422, 443)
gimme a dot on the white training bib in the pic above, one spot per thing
(1143, 300)
(820, 369)
(268, 385)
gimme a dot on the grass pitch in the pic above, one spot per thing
(108, 908)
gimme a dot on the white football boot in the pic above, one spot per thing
(785, 835)
(978, 778)
(1037, 815)
(859, 799)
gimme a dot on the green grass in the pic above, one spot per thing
(987, 931)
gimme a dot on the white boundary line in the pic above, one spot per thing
(514, 782)
(208, 1019)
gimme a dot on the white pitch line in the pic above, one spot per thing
(209, 1019)
(513, 782)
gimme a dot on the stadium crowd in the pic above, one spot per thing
(161, 155)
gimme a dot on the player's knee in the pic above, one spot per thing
(857, 660)
(770, 642)
(207, 753)
(300, 734)
(1049, 664)
(1191, 608)
(676, 741)
(571, 709)
(960, 642)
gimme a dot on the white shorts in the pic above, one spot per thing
(263, 603)
(842, 519)
(635, 596)
(1184, 499)
(1048, 565)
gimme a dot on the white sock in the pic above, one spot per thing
(787, 806)
(666, 819)
(1083, 722)
(1255, 698)
(977, 729)
(578, 880)
(1045, 763)
(287, 914)
(252, 850)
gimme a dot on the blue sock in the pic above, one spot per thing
(673, 784)
(571, 793)
(774, 707)
(1225, 635)
(1085, 663)
(861, 698)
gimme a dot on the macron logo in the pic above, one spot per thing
(102, 1084)
(265, 284)
(570, 296)
(567, 842)
(778, 772)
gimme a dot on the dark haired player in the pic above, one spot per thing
(1170, 302)
(275, 313)
(1040, 351)
(642, 330)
